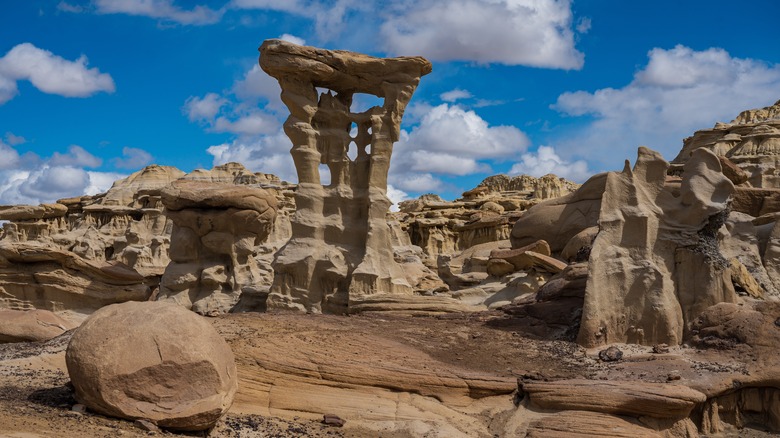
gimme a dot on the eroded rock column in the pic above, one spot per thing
(340, 250)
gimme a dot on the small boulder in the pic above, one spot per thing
(152, 361)
(611, 354)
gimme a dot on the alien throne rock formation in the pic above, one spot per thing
(340, 250)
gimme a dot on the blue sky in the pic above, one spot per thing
(91, 91)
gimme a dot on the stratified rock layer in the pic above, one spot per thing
(154, 361)
(341, 247)
(751, 141)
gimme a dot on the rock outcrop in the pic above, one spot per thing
(484, 214)
(31, 325)
(340, 249)
(751, 141)
(153, 361)
(216, 229)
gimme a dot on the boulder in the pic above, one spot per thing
(154, 361)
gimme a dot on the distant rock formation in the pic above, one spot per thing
(340, 250)
(484, 214)
(751, 141)
(216, 228)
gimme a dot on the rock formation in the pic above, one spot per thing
(31, 325)
(655, 263)
(153, 361)
(484, 214)
(340, 249)
(751, 141)
(216, 228)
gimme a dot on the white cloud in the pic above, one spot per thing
(27, 179)
(329, 16)
(67, 7)
(203, 108)
(160, 9)
(13, 139)
(292, 39)
(457, 131)
(9, 158)
(50, 73)
(253, 123)
(444, 163)
(396, 196)
(133, 158)
(545, 161)
(449, 140)
(415, 182)
(266, 153)
(515, 32)
(678, 92)
(76, 156)
(257, 84)
(453, 95)
(583, 25)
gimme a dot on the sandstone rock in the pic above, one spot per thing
(572, 424)
(751, 142)
(578, 247)
(34, 275)
(558, 220)
(633, 294)
(216, 229)
(152, 361)
(657, 400)
(31, 325)
(744, 279)
(340, 249)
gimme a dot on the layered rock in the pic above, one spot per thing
(484, 214)
(216, 229)
(31, 325)
(340, 249)
(751, 141)
(153, 361)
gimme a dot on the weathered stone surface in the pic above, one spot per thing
(217, 227)
(634, 294)
(558, 220)
(36, 276)
(580, 424)
(340, 249)
(31, 325)
(658, 400)
(751, 142)
(152, 361)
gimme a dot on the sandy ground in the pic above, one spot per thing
(35, 398)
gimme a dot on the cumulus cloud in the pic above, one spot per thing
(329, 16)
(583, 25)
(164, 10)
(265, 153)
(515, 32)
(76, 156)
(9, 158)
(448, 140)
(133, 158)
(679, 91)
(28, 179)
(292, 39)
(203, 108)
(545, 160)
(396, 196)
(50, 73)
(453, 95)
(13, 139)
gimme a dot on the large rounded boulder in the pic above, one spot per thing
(155, 361)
